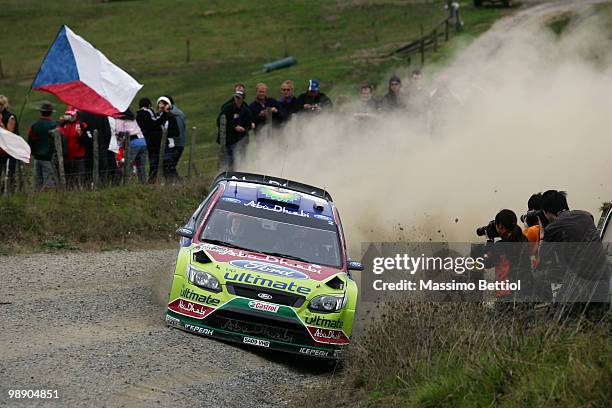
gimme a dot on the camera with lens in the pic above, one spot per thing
(489, 230)
(531, 218)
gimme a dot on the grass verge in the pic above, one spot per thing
(132, 216)
(467, 355)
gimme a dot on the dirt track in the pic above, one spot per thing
(90, 326)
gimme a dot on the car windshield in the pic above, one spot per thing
(261, 229)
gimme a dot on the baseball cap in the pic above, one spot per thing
(313, 85)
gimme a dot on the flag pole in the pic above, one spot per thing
(38, 72)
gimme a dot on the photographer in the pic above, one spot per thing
(571, 253)
(509, 255)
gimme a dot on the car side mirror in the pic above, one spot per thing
(354, 265)
(185, 232)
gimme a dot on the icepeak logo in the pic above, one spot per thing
(258, 266)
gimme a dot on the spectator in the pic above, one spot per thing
(392, 100)
(179, 142)
(261, 104)
(151, 126)
(43, 147)
(107, 167)
(238, 123)
(288, 102)
(74, 162)
(126, 126)
(237, 87)
(581, 267)
(313, 100)
(8, 121)
(418, 98)
(368, 105)
(170, 124)
(532, 227)
(510, 258)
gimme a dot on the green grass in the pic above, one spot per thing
(131, 216)
(229, 42)
(466, 355)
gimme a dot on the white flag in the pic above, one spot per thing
(14, 145)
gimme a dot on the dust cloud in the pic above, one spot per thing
(518, 111)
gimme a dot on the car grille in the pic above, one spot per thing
(286, 330)
(277, 296)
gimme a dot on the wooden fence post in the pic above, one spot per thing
(19, 185)
(422, 47)
(5, 180)
(127, 166)
(1, 70)
(446, 30)
(188, 55)
(95, 173)
(162, 153)
(191, 151)
(222, 141)
(435, 40)
(59, 154)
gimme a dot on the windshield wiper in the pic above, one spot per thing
(223, 243)
(295, 258)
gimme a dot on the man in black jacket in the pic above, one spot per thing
(572, 253)
(393, 100)
(238, 122)
(288, 102)
(313, 100)
(151, 126)
(260, 105)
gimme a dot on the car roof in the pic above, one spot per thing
(251, 191)
(272, 181)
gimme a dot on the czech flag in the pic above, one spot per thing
(81, 76)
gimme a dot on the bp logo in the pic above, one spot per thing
(258, 266)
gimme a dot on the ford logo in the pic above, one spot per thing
(264, 296)
(258, 266)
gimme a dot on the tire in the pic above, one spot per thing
(477, 3)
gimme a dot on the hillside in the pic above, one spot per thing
(338, 43)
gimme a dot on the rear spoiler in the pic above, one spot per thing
(274, 181)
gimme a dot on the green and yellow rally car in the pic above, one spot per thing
(263, 262)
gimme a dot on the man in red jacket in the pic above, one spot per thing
(74, 162)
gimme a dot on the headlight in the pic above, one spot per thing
(327, 303)
(202, 279)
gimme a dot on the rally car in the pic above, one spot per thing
(263, 262)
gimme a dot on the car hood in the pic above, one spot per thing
(268, 264)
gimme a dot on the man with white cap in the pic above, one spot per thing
(164, 106)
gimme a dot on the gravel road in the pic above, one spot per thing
(89, 325)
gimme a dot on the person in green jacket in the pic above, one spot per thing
(42, 145)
